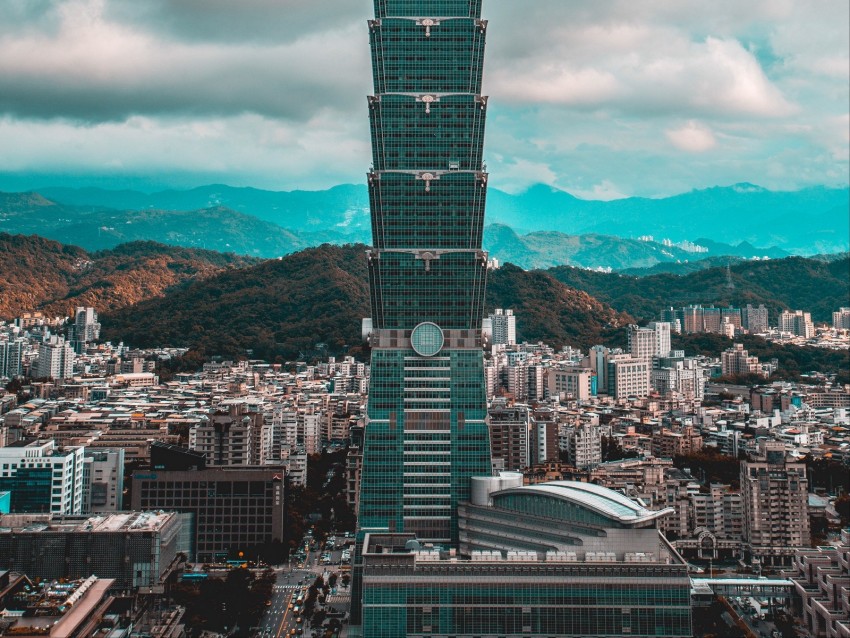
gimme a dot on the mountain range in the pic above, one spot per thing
(544, 249)
(804, 222)
(270, 224)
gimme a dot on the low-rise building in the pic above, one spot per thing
(136, 549)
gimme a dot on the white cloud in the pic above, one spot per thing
(517, 174)
(605, 191)
(602, 98)
(693, 137)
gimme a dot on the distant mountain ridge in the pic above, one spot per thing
(545, 249)
(97, 228)
(271, 224)
(808, 221)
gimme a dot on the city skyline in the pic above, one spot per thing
(163, 94)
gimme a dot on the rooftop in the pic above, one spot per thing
(124, 522)
(595, 497)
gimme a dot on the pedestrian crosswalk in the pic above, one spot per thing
(286, 587)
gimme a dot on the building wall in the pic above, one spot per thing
(43, 478)
(509, 436)
(234, 509)
(66, 549)
(775, 499)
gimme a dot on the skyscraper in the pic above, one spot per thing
(426, 434)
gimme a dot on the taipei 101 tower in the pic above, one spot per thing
(426, 432)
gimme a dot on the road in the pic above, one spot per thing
(279, 619)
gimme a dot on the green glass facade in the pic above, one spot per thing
(528, 601)
(426, 434)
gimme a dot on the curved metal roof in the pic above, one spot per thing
(594, 497)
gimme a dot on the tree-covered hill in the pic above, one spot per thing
(791, 283)
(41, 274)
(285, 308)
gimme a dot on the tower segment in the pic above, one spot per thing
(426, 432)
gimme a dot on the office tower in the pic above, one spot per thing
(754, 320)
(503, 325)
(55, 359)
(232, 509)
(776, 505)
(426, 432)
(42, 477)
(627, 376)
(797, 322)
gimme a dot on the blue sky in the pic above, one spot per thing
(602, 98)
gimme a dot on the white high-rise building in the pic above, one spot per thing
(755, 320)
(279, 433)
(584, 443)
(649, 342)
(798, 323)
(503, 324)
(85, 324)
(43, 478)
(662, 337)
(641, 342)
(627, 376)
(312, 432)
(11, 358)
(841, 319)
(55, 359)
(103, 487)
(574, 382)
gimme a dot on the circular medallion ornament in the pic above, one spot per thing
(427, 339)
